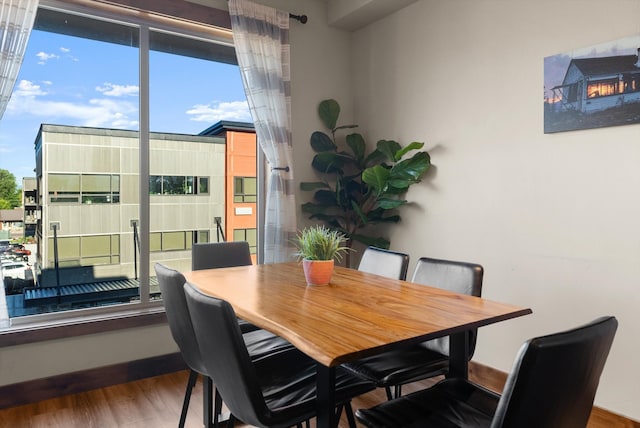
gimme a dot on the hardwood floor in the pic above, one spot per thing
(152, 402)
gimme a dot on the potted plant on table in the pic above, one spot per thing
(318, 247)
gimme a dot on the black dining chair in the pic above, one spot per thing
(387, 263)
(260, 343)
(273, 392)
(552, 385)
(215, 255)
(395, 368)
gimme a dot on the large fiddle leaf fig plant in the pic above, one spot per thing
(358, 189)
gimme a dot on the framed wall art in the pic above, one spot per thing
(593, 87)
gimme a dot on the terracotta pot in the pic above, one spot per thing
(317, 272)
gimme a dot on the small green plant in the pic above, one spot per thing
(320, 243)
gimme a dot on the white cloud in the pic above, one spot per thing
(113, 90)
(217, 111)
(98, 112)
(44, 57)
(65, 50)
(27, 89)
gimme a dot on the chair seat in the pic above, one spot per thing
(449, 403)
(293, 380)
(262, 343)
(400, 366)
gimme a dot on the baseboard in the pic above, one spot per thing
(85, 380)
(494, 380)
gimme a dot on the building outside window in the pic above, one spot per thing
(113, 195)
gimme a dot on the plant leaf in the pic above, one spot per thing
(389, 204)
(389, 148)
(412, 146)
(411, 169)
(358, 211)
(329, 111)
(375, 156)
(321, 142)
(327, 162)
(375, 241)
(345, 127)
(357, 145)
(308, 186)
(325, 198)
(376, 177)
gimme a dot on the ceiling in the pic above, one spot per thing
(345, 14)
(354, 14)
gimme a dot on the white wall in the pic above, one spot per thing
(554, 218)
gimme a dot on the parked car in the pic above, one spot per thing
(17, 270)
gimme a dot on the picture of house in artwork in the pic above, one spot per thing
(596, 92)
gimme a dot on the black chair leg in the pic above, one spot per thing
(210, 417)
(193, 377)
(387, 389)
(398, 391)
(349, 412)
(231, 422)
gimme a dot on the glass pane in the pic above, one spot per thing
(93, 246)
(203, 185)
(173, 241)
(77, 98)
(181, 110)
(250, 186)
(155, 242)
(64, 183)
(96, 183)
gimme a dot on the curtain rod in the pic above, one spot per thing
(300, 18)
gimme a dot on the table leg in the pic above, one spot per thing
(459, 355)
(326, 403)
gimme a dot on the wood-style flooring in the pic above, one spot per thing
(152, 402)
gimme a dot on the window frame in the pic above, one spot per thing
(196, 21)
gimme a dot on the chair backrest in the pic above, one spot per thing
(461, 277)
(213, 255)
(390, 264)
(228, 362)
(555, 378)
(171, 284)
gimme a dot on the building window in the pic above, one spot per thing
(245, 189)
(74, 251)
(84, 188)
(602, 88)
(176, 241)
(248, 235)
(178, 185)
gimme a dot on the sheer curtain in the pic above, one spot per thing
(16, 22)
(261, 39)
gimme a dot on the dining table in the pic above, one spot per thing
(356, 315)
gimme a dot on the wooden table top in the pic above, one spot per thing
(356, 315)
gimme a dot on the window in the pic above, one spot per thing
(84, 188)
(73, 251)
(245, 189)
(177, 241)
(602, 88)
(248, 235)
(93, 223)
(178, 185)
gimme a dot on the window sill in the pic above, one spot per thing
(79, 326)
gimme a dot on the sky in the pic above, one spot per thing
(67, 80)
(555, 66)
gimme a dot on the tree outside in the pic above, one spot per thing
(10, 197)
